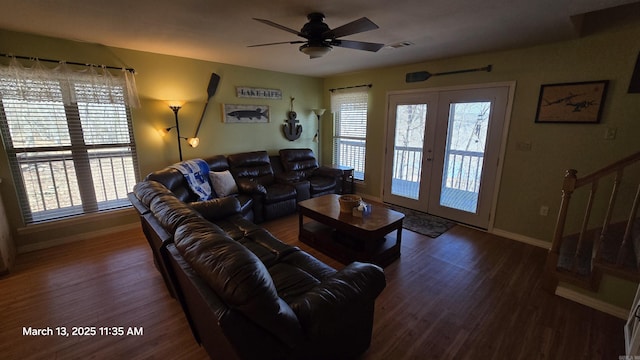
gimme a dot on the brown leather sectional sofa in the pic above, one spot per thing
(246, 294)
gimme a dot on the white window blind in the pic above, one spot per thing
(350, 107)
(67, 157)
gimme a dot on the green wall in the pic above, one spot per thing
(607, 49)
(160, 79)
(530, 178)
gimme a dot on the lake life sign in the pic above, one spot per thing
(258, 93)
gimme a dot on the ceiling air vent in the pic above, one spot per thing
(400, 44)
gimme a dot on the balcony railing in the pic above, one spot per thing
(462, 172)
(351, 152)
(51, 185)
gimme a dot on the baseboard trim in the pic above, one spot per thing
(592, 303)
(70, 239)
(521, 238)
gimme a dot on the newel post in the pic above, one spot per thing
(568, 185)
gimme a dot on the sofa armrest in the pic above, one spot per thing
(218, 208)
(287, 177)
(251, 187)
(137, 204)
(355, 284)
(337, 315)
(328, 171)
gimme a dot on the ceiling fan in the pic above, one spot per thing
(320, 39)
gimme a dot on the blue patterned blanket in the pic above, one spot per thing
(196, 172)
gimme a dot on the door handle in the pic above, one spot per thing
(429, 155)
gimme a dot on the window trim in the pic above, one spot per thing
(340, 99)
(80, 154)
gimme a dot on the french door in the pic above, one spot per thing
(443, 149)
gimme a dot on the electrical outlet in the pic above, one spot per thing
(544, 210)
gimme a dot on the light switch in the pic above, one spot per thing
(610, 134)
(523, 145)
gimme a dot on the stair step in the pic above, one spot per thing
(569, 262)
(609, 249)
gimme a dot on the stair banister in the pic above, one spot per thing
(627, 232)
(612, 203)
(585, 224)
(570, 183)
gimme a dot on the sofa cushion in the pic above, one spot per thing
(217, 163)
(173, 180)
(239, 278)
(297, 273)
(265, 246)
(255, 166)
(172, 212)
(301, 161)
(322, 184)
(216, 209)
(223, 183)
(279, 192)
(236, 227)
(146, 191)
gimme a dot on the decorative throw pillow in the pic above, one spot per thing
(223, 183)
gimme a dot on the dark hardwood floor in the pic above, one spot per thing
(463, 295)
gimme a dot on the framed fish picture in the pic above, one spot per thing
(235, 114)
(579, 102)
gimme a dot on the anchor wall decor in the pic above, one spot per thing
(291, 130)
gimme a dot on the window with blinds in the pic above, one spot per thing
(350, 131)
(68, 159)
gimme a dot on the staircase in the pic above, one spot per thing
(600, 233)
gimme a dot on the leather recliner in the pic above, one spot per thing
(173, 180)
(248, 295)
(301, 164)
(255, 177)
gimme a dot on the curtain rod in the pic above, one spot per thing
(351, 87)
(131, 70)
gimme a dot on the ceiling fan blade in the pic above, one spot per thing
(358, 45)
(278, 43)
(281, 27)
(357, 26)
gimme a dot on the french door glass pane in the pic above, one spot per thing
(408, 148)
(464, 156)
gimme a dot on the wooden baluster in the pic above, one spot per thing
(585, 224)
(625, 246)
(568, 185)
(609, 214)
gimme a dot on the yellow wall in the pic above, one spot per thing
(607, 50)
(159, 79)
(530, 178)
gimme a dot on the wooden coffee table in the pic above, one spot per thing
(349, 238)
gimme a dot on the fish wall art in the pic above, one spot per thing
(245, 113)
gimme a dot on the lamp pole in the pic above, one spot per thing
(319, 113)
(175, 109)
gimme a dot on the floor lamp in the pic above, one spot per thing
(175, 109)
(318, 113)
(193, 142)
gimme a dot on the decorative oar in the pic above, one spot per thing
(211, 90)
(424, 75)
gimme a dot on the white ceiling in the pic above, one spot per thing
(220, 31)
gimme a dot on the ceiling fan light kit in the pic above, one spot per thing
(321, 39)
(315, 51)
